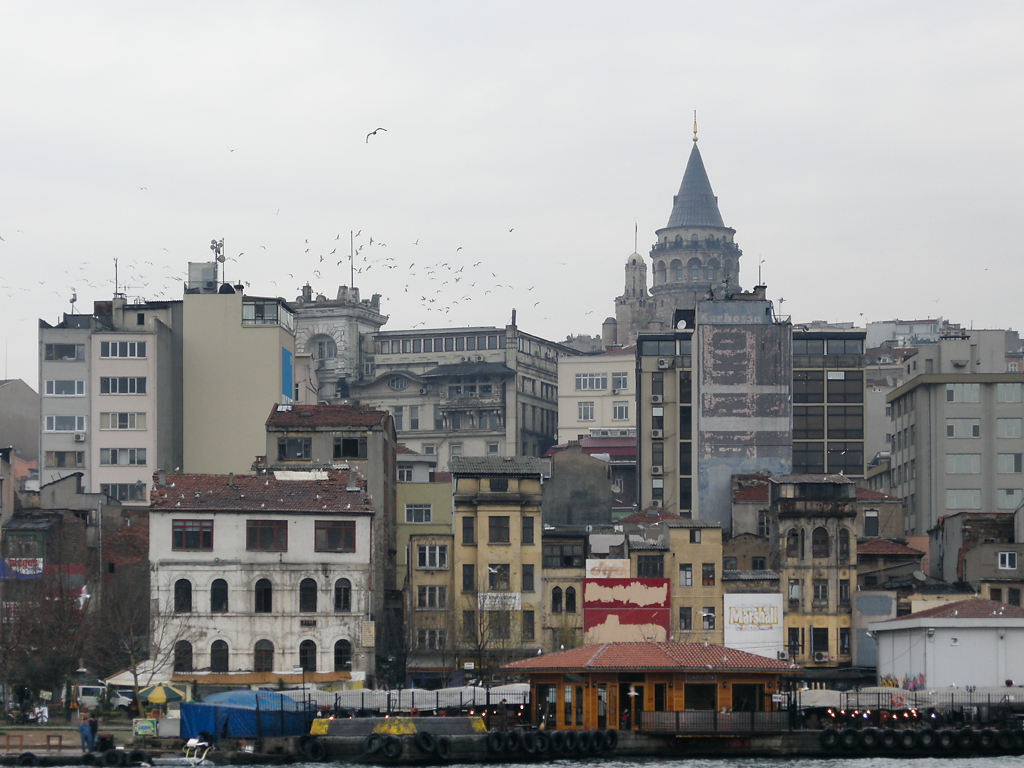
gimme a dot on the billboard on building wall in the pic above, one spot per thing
(607, 568)
(619, 610)
(21, 568)
(753, 623)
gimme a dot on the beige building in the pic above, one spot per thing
(597, 395)
(238, 360)
(814, 550)
(563, 568)
(497, 560)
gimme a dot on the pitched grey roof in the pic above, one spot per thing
(518, 466)
(695, 205)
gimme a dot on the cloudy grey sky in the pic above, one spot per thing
(870, 152)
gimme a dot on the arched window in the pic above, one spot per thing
(183, 596)
(264, 596)
(677, 270)
(183, 656)
(821, 544)
(307, 596)
(711, 270)
(307, 655)
(678, 240)
(263, 656)
(323, 348)
(793, 543)
(556, 600)
(219, 596)
(694, 267)
(570, 600)
(219, 656)
(844, 545)
(341, 388)
(342, 656)
(343, 596)
(659, 273)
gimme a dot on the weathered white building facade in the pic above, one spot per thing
(256, 576)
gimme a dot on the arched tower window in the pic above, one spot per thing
(219, 596)
(792, 543)
(322, 347)
(659, 273)
(556, 600)
(694, 267)
(342, 656)
(264, 594)
(307, 655)
(183, 656)
(677, 271)
(183, 596)
(219, 656)
(821, 543)
(844, 545)
(307, 596)
(263, 656)
(570, 600)
(343, 596)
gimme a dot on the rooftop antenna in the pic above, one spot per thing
(115, 277)
(636, 234)
(759, 272)
(218, 254)
(695, 126)
(74, 298)
(351, 260)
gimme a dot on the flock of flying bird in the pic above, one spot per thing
(436, 277)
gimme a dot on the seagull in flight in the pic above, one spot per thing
(374, 132)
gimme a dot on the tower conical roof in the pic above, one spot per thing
(695, 205)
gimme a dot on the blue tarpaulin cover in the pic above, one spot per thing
(242, 714)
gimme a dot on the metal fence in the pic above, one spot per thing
(408, 699)
(712, 721)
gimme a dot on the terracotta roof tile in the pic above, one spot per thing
(339, 491)
(886, 547)
(312, 416)
(666, 656)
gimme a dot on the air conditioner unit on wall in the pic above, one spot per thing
(655, 502)
(664, 362)
(79, 437)
(657, 469)
(657, 399)
(783, 655)
(657, 433)
(820, 657)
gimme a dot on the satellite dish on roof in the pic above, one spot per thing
(919, 575)
(681, 325)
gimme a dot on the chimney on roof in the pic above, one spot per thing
(161, 477)
(231, 478)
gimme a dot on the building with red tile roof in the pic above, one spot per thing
(258, 574)
(626, 679)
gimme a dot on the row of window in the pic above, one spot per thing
(828, 346)
(966, 392)
(498, 526)
(265, 535)
(599, 381)
(495, 625)
(440, 344)
(828, 386)
(707, 618)
(585, 410)
(74, 352)
(821, 543)
(263, 596)
(122, 385)
(301, 448)
(970, 463)
(263, 656)
(970, 498)
(499, 578)
(969, 428)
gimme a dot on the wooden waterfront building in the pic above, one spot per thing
(611, 685)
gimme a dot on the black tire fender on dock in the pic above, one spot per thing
(1004, 740)
(111, 757)
(392, 747)
(829, 738)
(496, 742)
(513, 741)
(596, 743)
(543, 743)
(529, 742)
(557, 739)
(28, 758)
(889, 739)
(869, 739)
(426, 742)
(987, 739)
(611, 739)
(965, 740)
(849, 738)
(137, 756)
(927, 739)
(909, 740)
(444, 748)
(302, 744)
(945, 739)
(372, 744)
(89, 758)
(316, 750)
(569, 743)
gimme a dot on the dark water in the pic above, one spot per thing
(747, 762)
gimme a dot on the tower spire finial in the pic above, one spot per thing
(695, 126)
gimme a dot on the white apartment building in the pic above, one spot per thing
(254, 576)
(597, 395)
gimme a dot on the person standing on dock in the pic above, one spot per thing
(86, 733)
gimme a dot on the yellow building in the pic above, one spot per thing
(563, 562)
(497, 560)
(814, 550)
